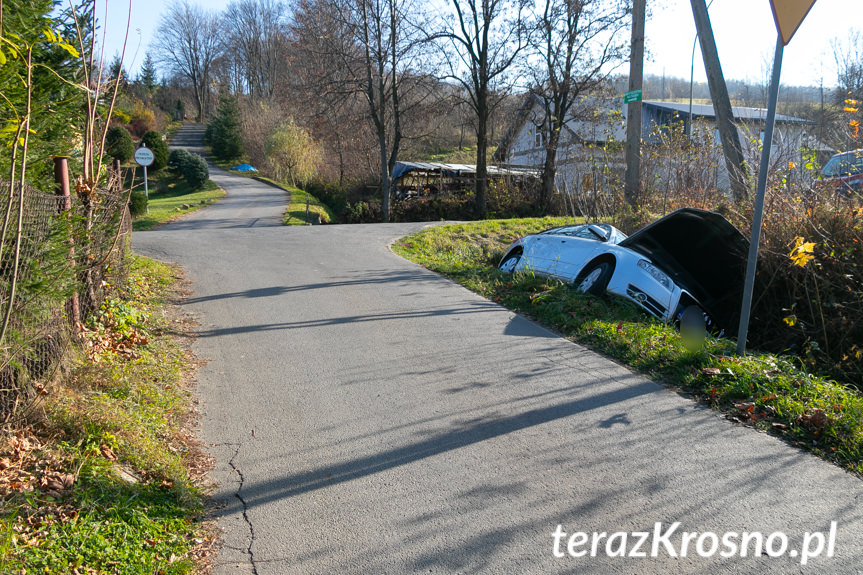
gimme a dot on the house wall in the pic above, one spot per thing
(580, 165)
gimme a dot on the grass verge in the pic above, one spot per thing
(295, 214)
(771, 393)
(105, 481)
(171, 197)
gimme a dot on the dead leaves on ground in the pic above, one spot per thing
(101, 341)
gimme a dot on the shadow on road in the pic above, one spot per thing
(470, 433)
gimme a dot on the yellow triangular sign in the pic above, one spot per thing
(788, 15)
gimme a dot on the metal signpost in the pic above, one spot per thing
(788, 14)
(144, 157)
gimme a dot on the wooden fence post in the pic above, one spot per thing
(61, 178)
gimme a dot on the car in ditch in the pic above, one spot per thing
(688, 260)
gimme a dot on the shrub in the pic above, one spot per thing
(155, 142)
(195, 170)
(363, 213)
(138, 203)
(119, 144)
(177, 158)
(332, 194)
(292, 153)
(433, 209)
(142, 120)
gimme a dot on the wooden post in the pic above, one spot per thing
(731, 149)
(632, 183)
(61, 178)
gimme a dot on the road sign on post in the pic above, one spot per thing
(632, 96)
(789, 14)
(144, 156)
(788, 18)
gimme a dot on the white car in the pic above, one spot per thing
(688, 258)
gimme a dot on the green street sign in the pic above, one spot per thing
(633, 96)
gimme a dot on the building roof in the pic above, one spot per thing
(454, 170)
(740, 112)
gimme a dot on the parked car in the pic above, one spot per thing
(843, 173)
(688, 258)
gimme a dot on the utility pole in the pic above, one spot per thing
(632, 183)
(721, 102)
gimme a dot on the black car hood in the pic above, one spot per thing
(703, 253)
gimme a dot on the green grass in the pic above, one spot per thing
(295, 214)
(121, 405)
(168, 194)
(769, 392)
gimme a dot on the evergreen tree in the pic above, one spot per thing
(55, 69)
(118, 73)
(147, 78)
(224, 131)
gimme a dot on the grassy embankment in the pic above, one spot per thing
(171, 197)
(105, 480)
(765, 391)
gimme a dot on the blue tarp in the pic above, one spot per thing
(244, 168)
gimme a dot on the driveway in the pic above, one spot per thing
(370, 417)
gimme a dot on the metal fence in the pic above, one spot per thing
(57, 255)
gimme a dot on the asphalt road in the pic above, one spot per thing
(371, 417)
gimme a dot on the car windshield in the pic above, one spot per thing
(844, 164)
(599, 232)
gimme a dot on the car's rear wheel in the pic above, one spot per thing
(509, 264)
(595, 278)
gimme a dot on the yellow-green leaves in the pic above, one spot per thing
(59, 41)
(802, 252)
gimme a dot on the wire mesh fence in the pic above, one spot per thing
(57, 255)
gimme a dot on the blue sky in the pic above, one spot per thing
(744, 30)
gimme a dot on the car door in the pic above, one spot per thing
(538, 253)
(577, 248)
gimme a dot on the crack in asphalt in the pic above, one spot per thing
(245, 505)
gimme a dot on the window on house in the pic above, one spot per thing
(537, 130)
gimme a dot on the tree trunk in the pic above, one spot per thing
(549, 170)
(385, 178)
(481, 181)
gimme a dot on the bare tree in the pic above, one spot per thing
(483, 39)
(256, 42)
(322, 60)
(372, 50)
(187, 43)
(575, 45)
(388, 44)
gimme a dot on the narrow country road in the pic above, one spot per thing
(370, 417)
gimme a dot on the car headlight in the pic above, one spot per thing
(655, 273)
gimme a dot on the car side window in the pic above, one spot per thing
(595, 232)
